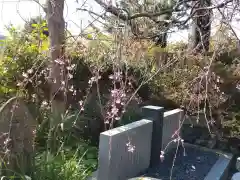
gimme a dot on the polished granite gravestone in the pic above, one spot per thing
(191, 163)
(125, 151)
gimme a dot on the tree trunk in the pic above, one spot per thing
(201, 27)
(56, 27)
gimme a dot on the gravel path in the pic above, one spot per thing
(193, 166)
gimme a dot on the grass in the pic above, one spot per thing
(66, 165)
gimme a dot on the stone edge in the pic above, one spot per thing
(215, 173)
(125, 128)
(223, 162)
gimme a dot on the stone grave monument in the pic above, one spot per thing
(146, 139)
(17, 130)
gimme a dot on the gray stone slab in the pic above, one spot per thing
(165, 124)
(171, 124)
(236, 176)
(155, 114)
(116, 162)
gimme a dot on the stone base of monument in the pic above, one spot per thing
(190, 163)
(236, 176)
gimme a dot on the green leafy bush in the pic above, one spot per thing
(22, 62)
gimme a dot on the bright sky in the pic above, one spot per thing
(18, 11)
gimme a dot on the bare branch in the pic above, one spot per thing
(218, 6)
(41, 5)
(112, 9)
(228, 24)
(119, 12)
(92, 12)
